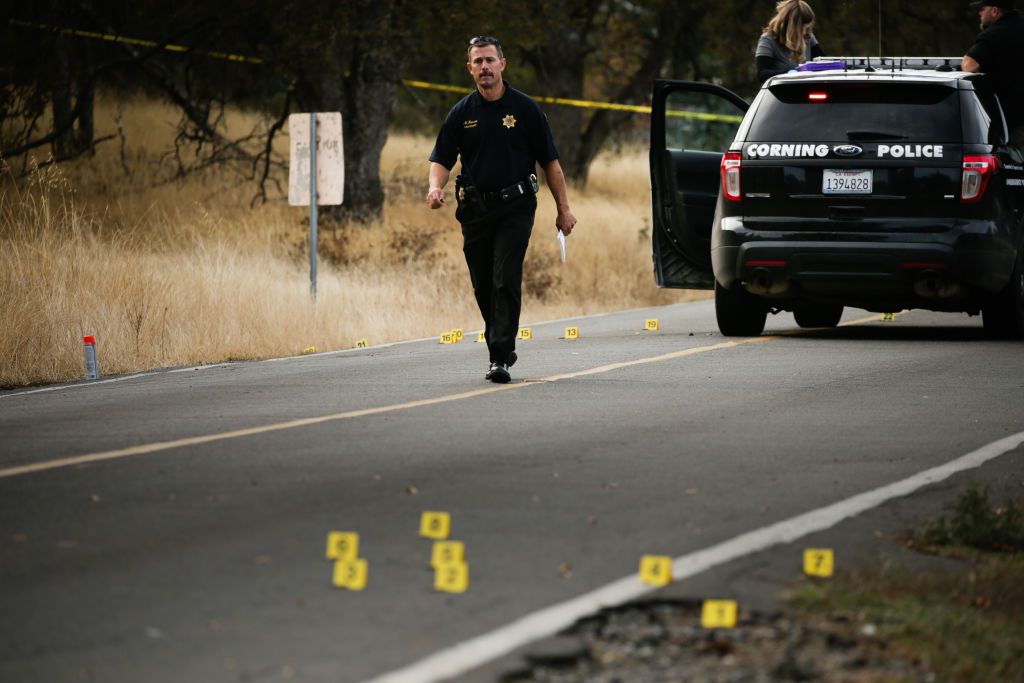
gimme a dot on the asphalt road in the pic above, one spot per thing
(203, 560)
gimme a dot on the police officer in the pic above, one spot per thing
(999, 52)
(500, 135)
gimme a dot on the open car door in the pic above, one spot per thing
(692, 126)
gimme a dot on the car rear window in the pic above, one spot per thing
(803, 112)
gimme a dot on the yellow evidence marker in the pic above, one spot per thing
(656, 570)
(342, 545)
(525, 333)
(572, 333)
(888, 317)
(447, 338)
(452, 578)
(651, 325)
(481, 338)
(350, 574)
(436, 525)
(362, 343)
(818, 562)
(718, 614)
(458, 334)
(308, 350)
(445, 553)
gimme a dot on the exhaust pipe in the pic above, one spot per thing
(761, 281)
(932, 285)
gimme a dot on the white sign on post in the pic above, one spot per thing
(330, 160)
(317, 171)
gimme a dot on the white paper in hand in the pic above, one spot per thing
(561, 243)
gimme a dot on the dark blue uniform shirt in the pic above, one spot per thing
(499, 142)
(1000, 52)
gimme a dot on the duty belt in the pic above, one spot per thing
(515, 191)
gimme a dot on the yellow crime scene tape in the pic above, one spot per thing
(587, 104)
(114, 38)
(423, 85)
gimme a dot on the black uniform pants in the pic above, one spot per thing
(495, 249)
(1017, 135)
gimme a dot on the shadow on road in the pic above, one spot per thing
(883, 332)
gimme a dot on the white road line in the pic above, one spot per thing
(385, 345)
(485, 648)
(336, 352)
(159, 446)
(109, 380)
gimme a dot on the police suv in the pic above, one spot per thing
(882, 184)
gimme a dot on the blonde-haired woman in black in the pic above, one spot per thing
(787, 40)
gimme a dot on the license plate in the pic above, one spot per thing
(843, 181)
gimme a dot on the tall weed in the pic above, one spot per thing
(167, 271)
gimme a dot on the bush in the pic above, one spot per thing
(975, 523)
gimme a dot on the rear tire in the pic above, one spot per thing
(1003, 317)
(818, 315)
(739, 313)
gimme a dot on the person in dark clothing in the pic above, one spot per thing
(999, 52)
(787, 40)
(500, 135)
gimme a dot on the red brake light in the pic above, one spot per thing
(977, 169)
(924, 265)
(731, 175)
(817, 96)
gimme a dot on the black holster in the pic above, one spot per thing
(471, 205)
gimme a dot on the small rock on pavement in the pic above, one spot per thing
(556, 650)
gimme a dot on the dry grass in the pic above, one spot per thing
(186, 272)
(962, 624)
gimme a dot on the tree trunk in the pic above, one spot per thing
(560, 63)
(85, 102)
(669, 30)
(371, 90)
(560, 67)
(72, 118)
(60, 100)
(362, 83)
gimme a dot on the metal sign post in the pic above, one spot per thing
(318, 152)
(312, 206)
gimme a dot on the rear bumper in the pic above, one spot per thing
(951, 270)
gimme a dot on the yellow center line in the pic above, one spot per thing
(657, 359)
(156, 447)
(145, 449)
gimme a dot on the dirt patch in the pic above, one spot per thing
(961, 619)
(661, 642)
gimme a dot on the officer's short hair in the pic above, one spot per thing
(481, 41)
